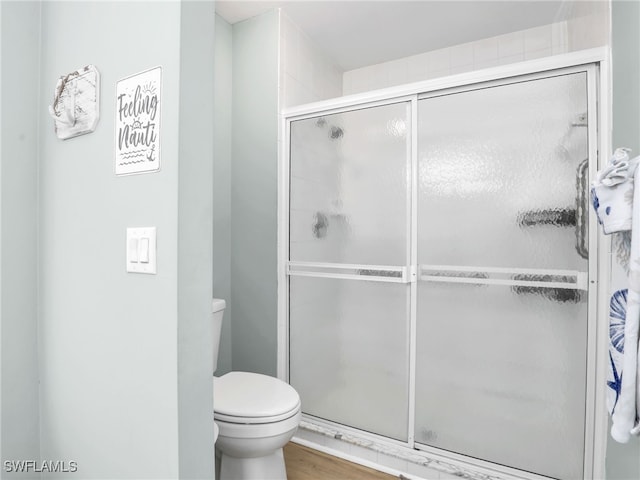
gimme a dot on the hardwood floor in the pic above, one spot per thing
(304, 463)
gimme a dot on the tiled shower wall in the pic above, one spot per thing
(306, 75)
(586, 31)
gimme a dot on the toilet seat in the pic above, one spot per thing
(220, 417)
(253, 398)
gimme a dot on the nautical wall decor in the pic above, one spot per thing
(138, 101)
(75, 108)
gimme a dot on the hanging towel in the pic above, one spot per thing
(617, 317)
(624, 339)
(612, 192)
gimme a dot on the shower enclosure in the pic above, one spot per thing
(441, 294)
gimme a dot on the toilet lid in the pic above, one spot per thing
(252, 395)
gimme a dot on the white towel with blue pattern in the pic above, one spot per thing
(624, 327)
(612, 192)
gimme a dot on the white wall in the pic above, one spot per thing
(123, 357)
(19, 76)
(588, 28)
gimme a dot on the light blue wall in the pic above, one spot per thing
(623, 460)
(626, 74)
(19, 77)
(223, 89)
(254, 193)
(195, 231)
(124, 357)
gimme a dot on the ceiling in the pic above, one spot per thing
(357, 33)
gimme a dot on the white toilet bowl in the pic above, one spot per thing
(256, 416)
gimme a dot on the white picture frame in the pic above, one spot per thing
(137, 123)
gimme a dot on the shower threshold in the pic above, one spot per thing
(396, 458)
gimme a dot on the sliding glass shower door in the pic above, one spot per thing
(348, 284)
(502, 305)
(438, 270)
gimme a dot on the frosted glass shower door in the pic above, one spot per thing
(348, 274)
(502, 275)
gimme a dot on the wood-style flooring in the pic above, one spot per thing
(304, 463)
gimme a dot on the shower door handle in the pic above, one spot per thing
(512, 277)
(348, 271)
(582, 209)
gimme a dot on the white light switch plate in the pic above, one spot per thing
(141, 250)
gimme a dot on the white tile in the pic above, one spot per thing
(423, 472)
(439, 73)
(318, 78)
(364, 453)
(294, 93)
(461, 55)
(310, 436)
(337, 445)
(291, 53)
(595, 31)
(438, 60)
(560, 37)
(393, 462)
(417, 67)
(360, 80)
(538, 38)
(486, 64)
(334, 88)
(461, 69)
(512, 59)
(560, 49)
(398, 71)
(485, 51)
(306, 67)
(511, 44)
(347, 88)
(547, 52)
(379, 76)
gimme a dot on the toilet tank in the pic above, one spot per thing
(217, 311)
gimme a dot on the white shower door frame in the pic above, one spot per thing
(595, 64)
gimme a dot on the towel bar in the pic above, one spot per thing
(513, 277)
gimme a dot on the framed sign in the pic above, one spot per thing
(138, 102)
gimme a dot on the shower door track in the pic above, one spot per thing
(595, 64)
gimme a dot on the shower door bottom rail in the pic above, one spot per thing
(349, 271)
(515, 277)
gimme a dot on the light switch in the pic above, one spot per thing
(141, 250)
(133, 250)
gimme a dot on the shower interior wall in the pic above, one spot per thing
(588, 28)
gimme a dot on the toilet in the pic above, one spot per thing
(255, 415)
